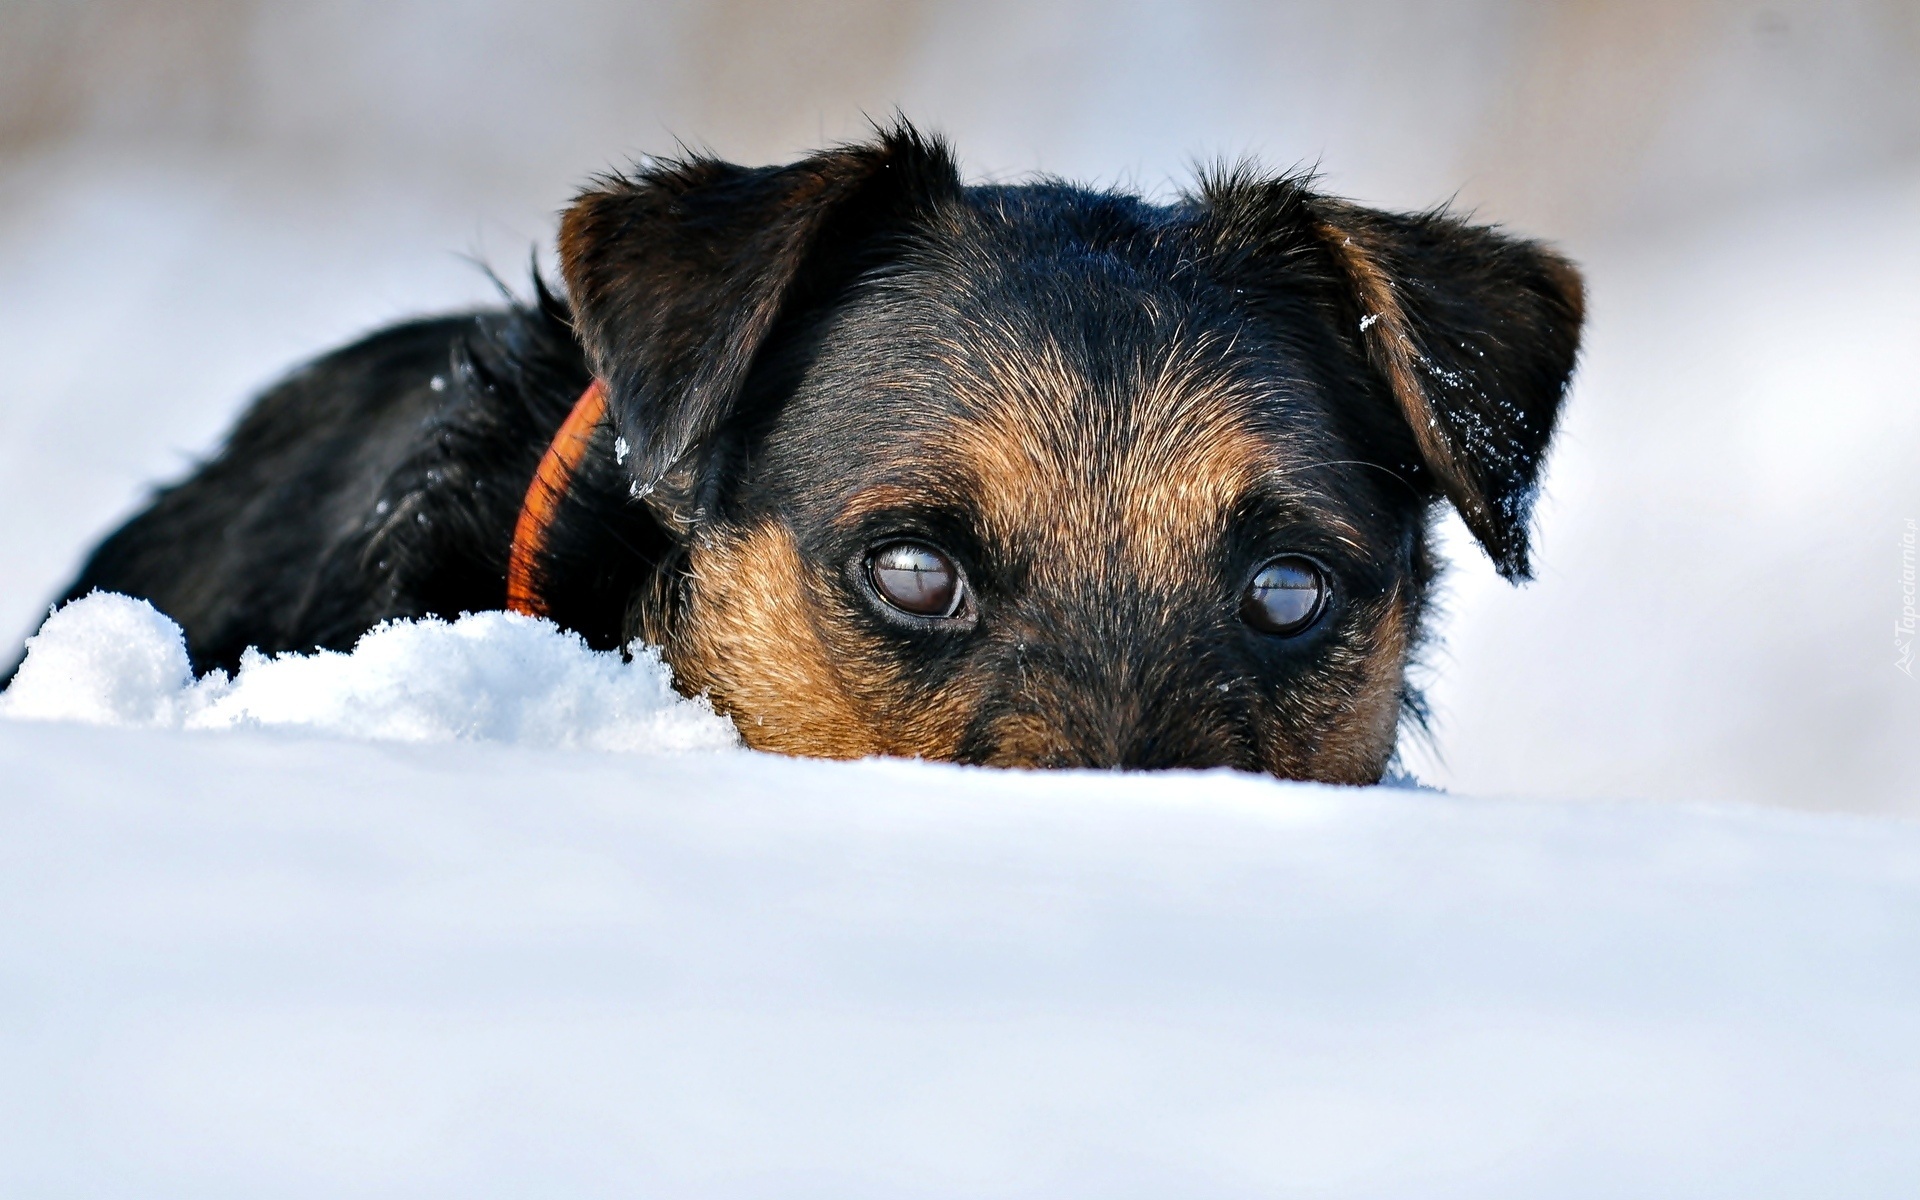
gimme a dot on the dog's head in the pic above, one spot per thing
(1043, 476)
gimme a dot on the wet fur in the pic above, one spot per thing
(1111, 412)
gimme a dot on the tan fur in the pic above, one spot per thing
(1157, 489)
(1023, 739)
(747, 639)
(795, 678)
(1362, 735)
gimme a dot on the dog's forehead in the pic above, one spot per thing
(1060, 388)
(1150, 435)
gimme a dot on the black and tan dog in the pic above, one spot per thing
(1026, 475)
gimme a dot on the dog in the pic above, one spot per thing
(886, 464)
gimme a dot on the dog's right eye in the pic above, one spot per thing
(917, 579)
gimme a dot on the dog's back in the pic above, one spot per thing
(312, 523)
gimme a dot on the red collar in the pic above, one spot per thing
(544, 496)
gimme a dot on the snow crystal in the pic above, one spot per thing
(113, 660)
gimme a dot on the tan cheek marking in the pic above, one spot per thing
(1022, 739)
(1361, 734)
(746, 638)
(794, 678)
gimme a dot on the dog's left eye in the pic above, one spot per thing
(1285, 597)
(917, 579)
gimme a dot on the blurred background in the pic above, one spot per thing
(196, 194)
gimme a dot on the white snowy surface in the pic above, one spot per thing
(495, 676)
(262, 963)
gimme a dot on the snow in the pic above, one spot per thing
(495, 676)
(106, 660)
(265, 962)
(384, 934)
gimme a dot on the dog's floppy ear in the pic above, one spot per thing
(679, 272)
(1472, 333)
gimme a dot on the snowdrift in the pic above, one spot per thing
(113, 660)
(462, 961)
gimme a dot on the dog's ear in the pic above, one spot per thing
(1471, 334)
(680, 272)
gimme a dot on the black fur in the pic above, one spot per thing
(371, 484)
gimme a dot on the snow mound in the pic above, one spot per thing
(303, 968)
(499, 677)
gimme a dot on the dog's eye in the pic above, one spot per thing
(917, 579)
(1285, 597)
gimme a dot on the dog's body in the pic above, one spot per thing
(1017, 475)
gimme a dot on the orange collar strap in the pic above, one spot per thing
(544, 497)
